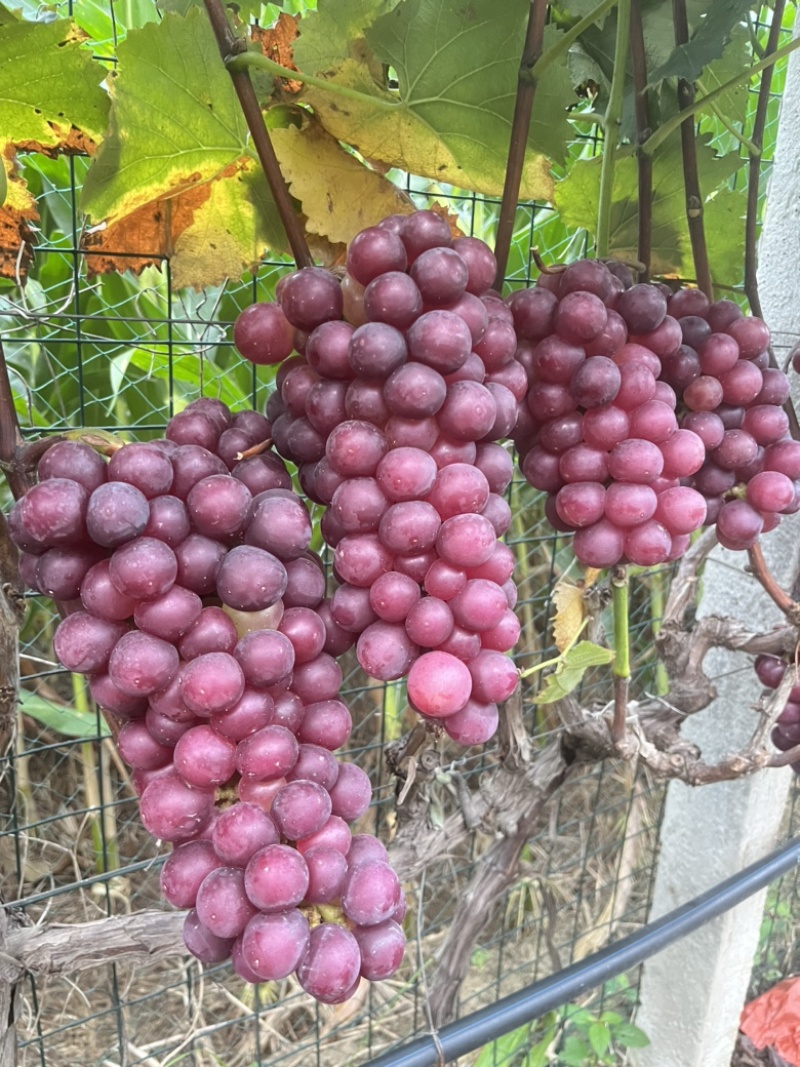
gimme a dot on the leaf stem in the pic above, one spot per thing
(704, 102)
(622, 654)
(691, 177)
(556, 659)
(612, 128)
(644, 163)
(754, 166)
(242, 60)
(723, 119)
(563, 44)
(228, 45)
(523, 109)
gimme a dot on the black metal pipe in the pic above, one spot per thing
(465, 1035)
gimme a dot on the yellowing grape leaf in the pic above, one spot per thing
(17, 214)
(209, 233)
(175, 119)
(339, 195)
(577, 199)
(570, 670)
(50, 94)
(450, 118)
(230, 232)
(570, 613)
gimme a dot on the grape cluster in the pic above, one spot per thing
(648, 415)
(406, 380)
(786, 732)
(199, 616)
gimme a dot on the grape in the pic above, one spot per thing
(605, 426)
(468, 412)
(351, 793)
(466, 540)
(385, 651)
(143, 569)
(355, 448)
(193, 428)
(393, 595)
(305, 583)
(59, 572)
(375, 251)
(318, 680)
(143, 466)
(480, 605)
(439, 684)
(371, 893)
(316, 764)
(738, 525)
(408, 528)
(534, 312)
(263, 335)
(141, 664)
(309, 297)
(653, 421)
(207, 947)
(475, 724)
(629, 504)
(184, 870)
(274, 945)
(439, 339)
(335, 834)
(596, 382)
(276, 878)
(219, 506)
(360, 560)
(430, 622)
(770, 670)
(116, 512)
(331, 966)
(327, 870)
(681, 510)
(264, 656)
(599, 545)
(140, 749)
(423, 230)
(254, 710)
(250, 579)
(636, 460)
(392, 298)
(643, 307)
(406, 473)
(267, 754)
(751, 334)
(262, 472)
(494, 677)
(770, 491)
(694, 330)
(741, 384)
(375, 350)
(199, 561)
(766, 423)
(306, 632)
(301, 808)
(171, 615)
(222, 905)
(74, 460)
(168, 520)
(648, 544)
(495, 348)
(84, 643)
(381, 947)
(191, 463)
(171, 810)
(107, 696)
(683, 454)
(212, 631)
(580, 317)
(279, 524)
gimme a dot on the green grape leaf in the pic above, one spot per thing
(724, 215)
(736, 57)
(577, 199)
(706, 43)
(450, 118)
(599, 1037)
(175, 119)
(335, 32)
(69, 722)
(571, 667)
(64, 110)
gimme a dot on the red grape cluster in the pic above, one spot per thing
(406, 381)
(786, 732)
(649, 414)
(199, 617)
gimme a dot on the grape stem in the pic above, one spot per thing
(254, 450)
(691, 177)
(523, 109)
(644, 163)
(612, 124)
(783, 759)
(622, 654)
(229, 45)
(761, 572)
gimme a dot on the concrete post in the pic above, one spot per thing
(692, 993)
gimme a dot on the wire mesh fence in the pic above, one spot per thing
(123, 353)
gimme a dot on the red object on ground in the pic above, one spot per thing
(774, 1019)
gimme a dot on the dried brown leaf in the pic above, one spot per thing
(18, 215)
(277, 45)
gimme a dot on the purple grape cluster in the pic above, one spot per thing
(786, 732)
(405, 381)
(199, 616)
(648, 415)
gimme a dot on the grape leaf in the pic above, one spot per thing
(577, 201)
(335, 32)
(64, 110)
(571, 667)
(570, 613)
(450, 118)
(17, 213)
(707, 42)
(339, 195)
(69, 722)
(724, 217)
(736, 57)
(175, 120)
